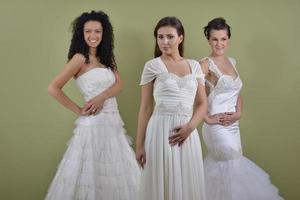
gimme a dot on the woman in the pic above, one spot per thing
(99, 163)
(228, 174)
(167, 145)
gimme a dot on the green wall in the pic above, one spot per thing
(35, 36)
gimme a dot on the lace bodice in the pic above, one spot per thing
(223, 95)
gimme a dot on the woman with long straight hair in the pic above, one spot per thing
(173, 103)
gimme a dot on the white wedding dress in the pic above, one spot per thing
(228, 174)
(172, 173)
(99, 164)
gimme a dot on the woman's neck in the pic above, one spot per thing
(172, 57)
(218, 57)
(93, 52)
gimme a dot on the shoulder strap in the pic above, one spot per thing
(233, 63)
(212, 67)
(194, 65)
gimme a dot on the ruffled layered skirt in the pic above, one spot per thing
(228, 174)
(99, 163)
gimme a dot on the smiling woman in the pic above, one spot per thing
(99, 163)
(228, 174)
(92, 33)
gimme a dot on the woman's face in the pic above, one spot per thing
(218, 42)
(168, 40)
(92, 31)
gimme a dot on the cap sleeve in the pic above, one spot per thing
(150, 72)
(200, 76)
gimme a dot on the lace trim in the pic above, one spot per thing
(181, 81)
(219, 154)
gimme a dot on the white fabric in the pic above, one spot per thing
(228, 174)
(172, 173)
(155, 67)
(99, 164)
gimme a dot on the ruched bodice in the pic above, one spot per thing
(95, 81)
(175, 94)
(172, 93)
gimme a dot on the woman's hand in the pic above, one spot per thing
(215, 119)
(229, 118)
(93, 106)
(180, 134)
(140, 155)
(224, 119)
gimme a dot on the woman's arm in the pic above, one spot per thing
(219, 117)
(205, 69)
(239, 106)
(94, 105)
(231, 117)
(146, 109)
(55, 87)
(200, 107)
(182, 132)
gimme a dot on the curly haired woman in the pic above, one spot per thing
(99, 162)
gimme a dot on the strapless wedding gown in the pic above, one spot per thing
(99, 164)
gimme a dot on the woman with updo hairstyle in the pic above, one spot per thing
(228, 174)
(99, 162)
(173, 103)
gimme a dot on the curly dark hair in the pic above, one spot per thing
(216, 24)
(105, 48)
(173, 22)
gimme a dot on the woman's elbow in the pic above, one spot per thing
(52, 91)
(121, 85)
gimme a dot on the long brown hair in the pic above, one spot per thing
(173, 22)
